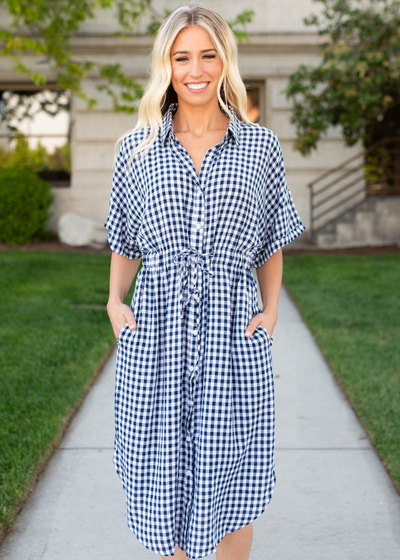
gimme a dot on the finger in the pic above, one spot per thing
(251, 327)
(117, 331)
(130, 319)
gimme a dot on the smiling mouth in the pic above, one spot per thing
(197, 87)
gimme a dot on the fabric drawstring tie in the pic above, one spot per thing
(188, 258)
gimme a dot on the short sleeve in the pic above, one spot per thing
(125, 209)
(279, 220)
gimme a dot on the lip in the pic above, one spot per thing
(196, 90)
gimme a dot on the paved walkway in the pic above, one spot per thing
(333, 499)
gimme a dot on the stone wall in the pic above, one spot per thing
(279, 43)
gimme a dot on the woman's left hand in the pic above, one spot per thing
(267, 319)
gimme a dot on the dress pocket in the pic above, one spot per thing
(264, 329)
(255, 307)
(135, 306)
(123, 333)
(122, 329)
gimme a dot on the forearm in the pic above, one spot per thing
(122, 273)
(270, 280)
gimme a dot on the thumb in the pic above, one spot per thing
(130, 319)
(251, 327)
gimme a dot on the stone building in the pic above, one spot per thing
(278, 43)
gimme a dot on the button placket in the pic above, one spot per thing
(196, 262)
(197, 243)
(192, 260)
(197, 265)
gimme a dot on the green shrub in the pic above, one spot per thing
(5, 157)
(24, 203)
(38, 159)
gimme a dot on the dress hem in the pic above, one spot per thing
(213, 550)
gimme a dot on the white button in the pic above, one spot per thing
(191, 368)
(187, 438)
(194, 332)
(188, 472)
(196, 296)
(198, 225)
(190, 402)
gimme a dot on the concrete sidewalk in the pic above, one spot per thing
(333, 498)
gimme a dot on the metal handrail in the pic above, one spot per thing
(332, 189)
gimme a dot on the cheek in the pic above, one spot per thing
(177, 74)
(215, 70)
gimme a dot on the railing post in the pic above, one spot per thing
(383, 163)
(311, 230)
(396, 167)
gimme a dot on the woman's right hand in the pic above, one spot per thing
(119, 314)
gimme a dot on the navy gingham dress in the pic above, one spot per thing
(194, 397)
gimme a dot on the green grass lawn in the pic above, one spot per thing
(352, 306)
(55, 332)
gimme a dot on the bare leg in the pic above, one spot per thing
(179, 555)
(236, 545)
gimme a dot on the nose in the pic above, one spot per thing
(196, 70)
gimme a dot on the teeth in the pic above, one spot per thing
(196, 86)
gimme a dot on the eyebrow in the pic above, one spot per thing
(187, 52)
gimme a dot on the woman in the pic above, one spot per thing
(199, 194)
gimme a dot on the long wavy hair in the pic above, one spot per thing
(159, 93)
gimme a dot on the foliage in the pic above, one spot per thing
(377, 168)
(24, 203)
(22, 157)
(37, 159)
(20, 105)
(60, 159)
(358, 79)
(5, 157)
(51, 27)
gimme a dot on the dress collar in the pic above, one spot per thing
(233, 127)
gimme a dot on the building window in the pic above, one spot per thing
(35, 132)
(255, 96)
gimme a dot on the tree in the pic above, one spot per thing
(358, 79)
(47, 27)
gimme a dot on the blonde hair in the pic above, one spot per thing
(159, 93)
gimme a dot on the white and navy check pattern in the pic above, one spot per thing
(194, 397)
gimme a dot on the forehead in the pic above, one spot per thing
(193, 38)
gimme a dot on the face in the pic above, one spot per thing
(196, 66)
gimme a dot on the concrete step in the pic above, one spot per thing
(366, 226)
(349, 217)
(326, 240)
(331, 228)
(376, 222)
(369, 205)
(345, 233)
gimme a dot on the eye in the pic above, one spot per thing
(185, 57)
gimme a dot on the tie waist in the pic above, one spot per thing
(192, 260)
(216, 257)
(187, 259)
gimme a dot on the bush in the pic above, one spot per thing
(37, 159)
(24, 203)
